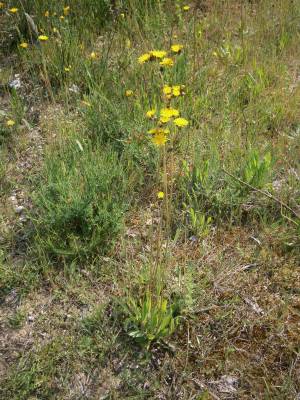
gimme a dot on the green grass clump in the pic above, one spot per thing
(21, 278)
(118, 120)
(81, 202)
(37, 371)
(16, 320)
(207, 188)
(150, 318)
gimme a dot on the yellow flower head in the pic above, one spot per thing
(47, 14)
(167, 90)
(62, 17)
(66, 10)
(144, 58)
(10, 122)
(24, 45)
(55, 30)
(14, 10)
(128, 93)
(176, 48)
(160, 54)
(122, 15)
(177, 90)
(167, 62)
(68, 68)
(93, 55)
(160, 195)
(43, 38)
(159, 139)
(186, 8)
(173, 91)
(150, 114)
(169, 113)
(164, 119)
(181, 122)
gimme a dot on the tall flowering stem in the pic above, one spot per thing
(168, 123)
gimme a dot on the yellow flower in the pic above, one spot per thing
(177, 90)
(55, 30)
(43, 38)
(93, 55)
(62, 17)
(14, 10)
(47, 13)
(144, 58)
(67, 69)
(24, 45)
(186, 8)
(181, 122)
(10, 122)
(158, 53)
(128, 93)
(159, 139)
(66, 10)
(167, 62)
(164, 119)
(176, 48)
(167, 90)
(160, 195)
(150, 114)
(169, 113)
(122, 15)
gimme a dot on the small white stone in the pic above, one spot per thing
(15, 83)
(19, 209)
(74, 88)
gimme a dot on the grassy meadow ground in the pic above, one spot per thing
(149, 199)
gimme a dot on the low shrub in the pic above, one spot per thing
(80, 202)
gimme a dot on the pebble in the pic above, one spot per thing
(74, 88)
(30, 318)
(19, 209)
(15, 83)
